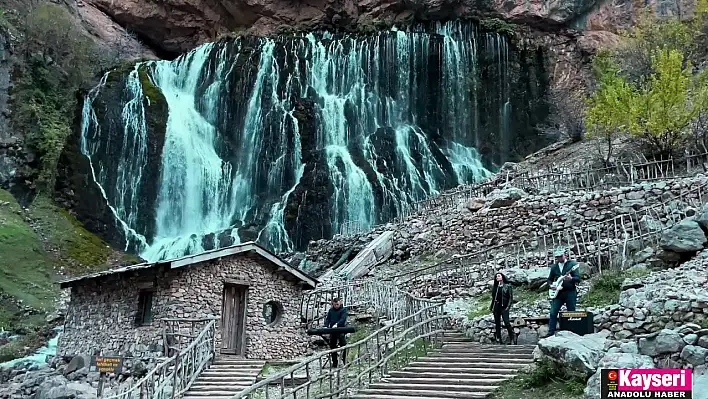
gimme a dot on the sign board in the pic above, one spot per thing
(106, 364)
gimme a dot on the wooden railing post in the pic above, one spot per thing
(174, 376)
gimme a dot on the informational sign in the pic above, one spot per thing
(106, 364)
(646, 383)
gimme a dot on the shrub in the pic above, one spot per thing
(567, 115)
(607, 287)
(548, 372)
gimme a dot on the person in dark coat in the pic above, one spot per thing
(337, 316)
(502, 297)
(568, 295)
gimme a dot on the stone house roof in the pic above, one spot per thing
(248, 247)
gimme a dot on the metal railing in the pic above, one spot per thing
(174, 376)
(597, 243)
(362, 363)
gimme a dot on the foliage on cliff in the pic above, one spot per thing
(647, 87)
(57, 59)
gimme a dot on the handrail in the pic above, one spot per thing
(180, 374)
(384, 297)
(425, 325)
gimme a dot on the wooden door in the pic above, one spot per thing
(233, 319)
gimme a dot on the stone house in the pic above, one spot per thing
(253, 294)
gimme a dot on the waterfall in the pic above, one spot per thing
(284, 140)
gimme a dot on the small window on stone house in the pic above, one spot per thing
(144, 315)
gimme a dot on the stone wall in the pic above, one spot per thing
(503, 218)
(685, 346)
(663, 299)
(102, 314)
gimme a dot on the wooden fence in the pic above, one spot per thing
(175, 375)
(383, 298)
(602, 243)
(621, 174)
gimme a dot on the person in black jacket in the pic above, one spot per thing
(568, 295)
(337, 315)
(502, 296)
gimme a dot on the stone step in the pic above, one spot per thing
(422, 393)
(227, 373)
(445, 363)
(460, 370)
(452, 379)
(230, 387)
(488, 346)
(475, 359)
(468, 349)
(456, 339)
(433, 387)
(255, 363)
(472, 349)
(225, 377)
(482, 375)
(254, 369)
(213, 393)
(229, 396)
(503, 355)
(237, 381)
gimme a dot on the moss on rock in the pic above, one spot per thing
(152, 92)
(80, 251)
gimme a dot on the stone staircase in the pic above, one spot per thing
(225, 378)
(460, 369)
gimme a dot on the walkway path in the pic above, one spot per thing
(225, 378)
(461, 369)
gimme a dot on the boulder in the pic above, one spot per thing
(579, 355)
(694, 355)
(534, 277)
(505, 197)
(474, 204)
(685, 236)
(702, 218)
(615, 360)
(665, 342)
(57, 387)
(76, 363)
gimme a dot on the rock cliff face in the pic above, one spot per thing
(179, 25)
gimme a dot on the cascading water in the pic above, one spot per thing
(276, 139)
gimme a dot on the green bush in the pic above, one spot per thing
(548, 371)
(605, 289)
